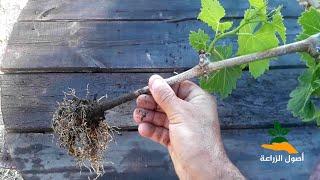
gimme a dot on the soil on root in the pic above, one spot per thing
(84, 138)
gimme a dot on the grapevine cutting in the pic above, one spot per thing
(261, 37)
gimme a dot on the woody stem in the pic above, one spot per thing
(310, 45)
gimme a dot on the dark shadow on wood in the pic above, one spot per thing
(38, 156)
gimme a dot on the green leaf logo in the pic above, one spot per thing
(278, 133)
(278, 141)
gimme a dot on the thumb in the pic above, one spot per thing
(164, 95)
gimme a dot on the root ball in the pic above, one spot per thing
(84, 138)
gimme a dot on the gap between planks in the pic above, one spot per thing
(116, 70)
(167, 20)
(135, 128)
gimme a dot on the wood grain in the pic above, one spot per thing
(96, 46)
(37, 156)
(28, 100)
(80, 10)
(134, 36)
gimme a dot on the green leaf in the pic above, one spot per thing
(259, 67)
(259, 4)
(300, 103)
(278, 139)
(310, 61)
(223, 81)
(199, 40)
(211, 13)
(257, 36)
(257, 11)
(315, 85)
(318, 121)
(250, 42)
(278, 24)
(272, 132)
(285, 131)
(318, 117)
(277, 126)
(310, 25)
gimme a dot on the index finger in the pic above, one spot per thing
(187, 90)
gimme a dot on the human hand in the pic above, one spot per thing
(184, 119)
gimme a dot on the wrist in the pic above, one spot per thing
(225, 170)
(217, 168)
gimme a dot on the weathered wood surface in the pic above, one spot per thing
(37, 156)
(134, 36)
(114, 33)
(28, 100)
(110, 46)
(134, 9)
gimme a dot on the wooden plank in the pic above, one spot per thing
(37, 156)
(114, 33)
(28, 100)
(110, 46)
(134, 9)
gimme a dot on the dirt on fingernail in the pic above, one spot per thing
(143, 114)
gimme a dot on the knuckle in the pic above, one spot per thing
(209, 97)
(175, 118)
(138, 100)
(165, 96)
(165, 139)
(134, 114)
(157, 135)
